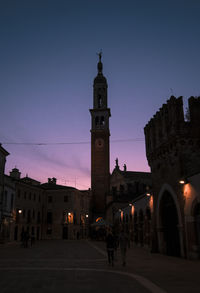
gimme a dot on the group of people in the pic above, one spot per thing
(26, 239)
(113, 242)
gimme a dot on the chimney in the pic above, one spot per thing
(53, 180)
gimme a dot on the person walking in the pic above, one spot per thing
(26, 239)
(32, 238)
(110, 244)
(123, 243)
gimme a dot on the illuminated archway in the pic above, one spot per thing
(169, 223)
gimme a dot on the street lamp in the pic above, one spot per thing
(183, 181)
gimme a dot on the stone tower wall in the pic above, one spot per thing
(172, 143)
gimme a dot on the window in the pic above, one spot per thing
(66, 198)
(102, 121)
(34, 196)
(136, 186)
(49, 199)
(19, 193)
(11, 201)
(114, 190)
(38, 218)
(96, 120)
(29, 216)
(49, 231)
(30, 195)
(129, 187)
(24, 194)
(5, 198)
(39, 198)
(99, 101)
(33, 214)
(49, 218)
(82, 202)
(75, 221)
(121, 188)
(24, 213)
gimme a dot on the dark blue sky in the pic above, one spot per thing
(48, 63)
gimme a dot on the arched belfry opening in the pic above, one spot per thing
(169, 225)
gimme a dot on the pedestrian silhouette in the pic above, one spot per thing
(32, 238)
(26, 239)
(110, 244)
(123, 243)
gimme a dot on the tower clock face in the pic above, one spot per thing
(99, 143)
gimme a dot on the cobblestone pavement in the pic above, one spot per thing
(81, 266)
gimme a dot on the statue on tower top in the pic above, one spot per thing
(116, 162)
(100, 55)
(100, 65)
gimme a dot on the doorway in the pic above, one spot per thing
(65, 232)
(169, 224)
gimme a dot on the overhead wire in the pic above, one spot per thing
(70, 143)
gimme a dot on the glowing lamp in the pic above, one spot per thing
(182, 181)
(19, 211)
(69, 214)
(86, 216)
(130, 204)
(148, 194)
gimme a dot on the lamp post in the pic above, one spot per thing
(184, 182)
(86, 223)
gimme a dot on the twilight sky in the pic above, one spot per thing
(151, 49)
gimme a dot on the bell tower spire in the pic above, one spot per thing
(100, 144)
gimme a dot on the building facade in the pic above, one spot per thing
(66, 211)
(128, 199)
(28, 207)
(8, 208)
(173, 154)
(3, 155)
(44, 211)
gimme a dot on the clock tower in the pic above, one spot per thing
(100, 145)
